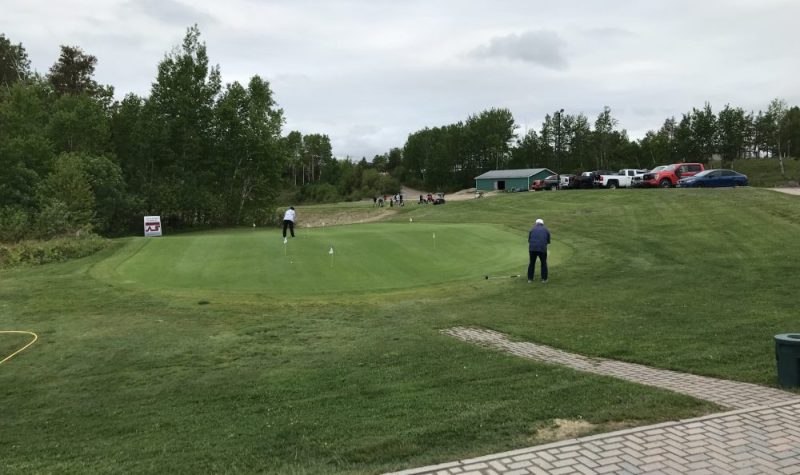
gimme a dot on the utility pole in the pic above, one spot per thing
(558, 138)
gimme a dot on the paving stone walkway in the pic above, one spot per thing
(725, 393)
(761, 436)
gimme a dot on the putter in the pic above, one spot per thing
(513, 276)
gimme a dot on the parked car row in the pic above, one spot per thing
(684, 175)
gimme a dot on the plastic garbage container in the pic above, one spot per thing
(787, 356)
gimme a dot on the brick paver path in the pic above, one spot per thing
(725, 393)
(763, 437)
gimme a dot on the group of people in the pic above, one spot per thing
(396, 200)
(426, 200)
(538, 239)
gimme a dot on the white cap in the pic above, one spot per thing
(539, 221)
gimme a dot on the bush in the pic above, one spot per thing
(53, 250)
(13, 224)
(318, 193)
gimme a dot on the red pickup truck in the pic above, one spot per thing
(667, 176)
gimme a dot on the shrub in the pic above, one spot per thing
(53, 250)
(13, 224)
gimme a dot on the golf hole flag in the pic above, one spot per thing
(152, 226)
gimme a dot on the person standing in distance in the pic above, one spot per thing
(538, 239)
(288, 221)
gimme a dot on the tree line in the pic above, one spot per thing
(198, 152)
(195, 151)
(449, 157)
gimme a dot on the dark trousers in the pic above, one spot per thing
(290, 225)
(542, 255)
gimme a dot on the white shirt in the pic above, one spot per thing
(289, 216)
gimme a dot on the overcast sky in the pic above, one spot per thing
(368, 73)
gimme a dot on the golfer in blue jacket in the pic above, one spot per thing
(538, 239)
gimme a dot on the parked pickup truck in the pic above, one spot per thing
(667, 176)
(621, 179)
(549, 183)
(588, 179)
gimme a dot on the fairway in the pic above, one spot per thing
(365, 257)
(301, 363)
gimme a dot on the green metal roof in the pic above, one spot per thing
(505, 174)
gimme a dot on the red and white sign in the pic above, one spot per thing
(152, 226)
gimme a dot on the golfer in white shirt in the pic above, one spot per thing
(288, 221)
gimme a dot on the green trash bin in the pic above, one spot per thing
(787, 356)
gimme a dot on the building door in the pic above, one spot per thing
(501, 185)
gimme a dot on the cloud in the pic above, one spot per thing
(543, 48)
(172, 12)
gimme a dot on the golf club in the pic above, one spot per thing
(514, 276)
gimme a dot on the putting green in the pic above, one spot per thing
(366, 257)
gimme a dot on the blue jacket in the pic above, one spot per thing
(538, 238)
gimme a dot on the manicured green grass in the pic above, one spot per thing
(140, 377)
(336, 259)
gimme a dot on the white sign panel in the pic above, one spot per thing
(152, 226)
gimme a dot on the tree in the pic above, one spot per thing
(65, 198)
(249, 155)
(660, 147)
(78, 123)
(293, 151)
(703, 126)
(73, 71)
(603, 129)
(182, 103)
(580, 144)
(526, 152)
(490, 135)
(395, 158)
(732, 126)
(791, 131)
(317, 154)
(25, 150)
(14, 63)
(776, 114)
(685, 146)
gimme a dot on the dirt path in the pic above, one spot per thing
(411, 195)
(312, 219)
(788, 191)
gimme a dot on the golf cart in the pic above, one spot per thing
(439, 200)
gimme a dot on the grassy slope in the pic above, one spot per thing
(127, 380)
(767, 172)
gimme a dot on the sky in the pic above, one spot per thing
(368, 73)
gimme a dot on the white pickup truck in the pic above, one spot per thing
(621, 179)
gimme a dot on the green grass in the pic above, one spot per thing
(133, 374)
(767, 172)
(366, 258)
